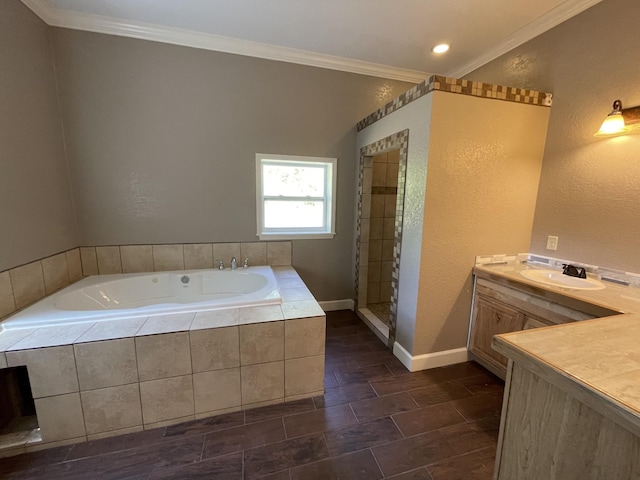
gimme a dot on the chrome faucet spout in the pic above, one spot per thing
(234, 263)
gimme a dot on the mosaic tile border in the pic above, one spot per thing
(460, 86)
(399, 140)
(617, 276)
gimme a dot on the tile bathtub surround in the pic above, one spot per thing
(167, 369)
(359, 428)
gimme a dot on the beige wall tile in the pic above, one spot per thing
(392, 175)
(263, 382)
(55, 272)
(89, 261)
(387, 250)
(108, 260)
(3, 361)
(60, 417)
(267, 313)
(278, 253)
(373, 292)
(367, 180)
(162, 356)
(261, 342)
(28, 283)
(386, 272)
(168, 257)
(215, 349)
(166, 399)
(52, 336)
(112, 408)
(373, 276)
(390, 205)
(380, 158)
(385, 291)
(365, 229)
(74, 264)
(367, 199)
(301, 309)
(106, 364)
(224, 252)
(52, 371)
(377, 206)
(136, 258)
(293, 398)
(198, 255)
(256, 252)
(304, 337)
(216, 319)
(303, 375)
(375, 251)
(7, 304)
(389, 228)
(216, 390)
(379, 174)
(295, 294)
(376, 231)
(176, 322)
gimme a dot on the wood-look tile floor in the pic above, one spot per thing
(376, 420)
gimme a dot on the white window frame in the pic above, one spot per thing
(329, 198)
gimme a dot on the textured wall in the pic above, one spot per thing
(162, 142)
(482, 178)
(36, 212)
(590, 187)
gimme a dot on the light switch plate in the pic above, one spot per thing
(552, 242)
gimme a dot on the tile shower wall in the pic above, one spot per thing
(384, 190)
(24, 285)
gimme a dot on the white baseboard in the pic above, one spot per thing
(331, 305)
(429, 360)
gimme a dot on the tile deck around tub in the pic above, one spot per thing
(107, 378)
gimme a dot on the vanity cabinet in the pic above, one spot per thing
(501, 309)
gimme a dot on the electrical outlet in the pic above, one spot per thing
(552, 242)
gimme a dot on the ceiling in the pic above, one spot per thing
(385, 38)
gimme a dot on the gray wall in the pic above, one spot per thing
(36, 212)
(590, 187)
(162, 141)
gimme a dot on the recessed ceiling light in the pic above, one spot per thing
(441, 48)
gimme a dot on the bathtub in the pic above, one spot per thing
(106, 297)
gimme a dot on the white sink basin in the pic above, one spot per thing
(557, 279)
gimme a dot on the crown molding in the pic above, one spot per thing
(187, 38)
(540, 25)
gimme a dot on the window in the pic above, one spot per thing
(296, 196)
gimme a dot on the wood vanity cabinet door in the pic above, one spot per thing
(492, 318)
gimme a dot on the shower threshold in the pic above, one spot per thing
(375, 324)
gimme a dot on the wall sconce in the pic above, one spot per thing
(620, 121)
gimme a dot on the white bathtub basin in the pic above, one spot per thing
(558, 279)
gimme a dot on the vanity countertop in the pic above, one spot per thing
(597, 361)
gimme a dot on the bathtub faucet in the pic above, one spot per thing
(220, 265)
(234, 263)
(246, 263)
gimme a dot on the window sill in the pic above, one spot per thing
(295, 236)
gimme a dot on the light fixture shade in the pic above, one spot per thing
(614, 123)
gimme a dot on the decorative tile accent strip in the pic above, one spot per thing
(399, 141)
(461, 86)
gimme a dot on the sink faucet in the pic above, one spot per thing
(574, 271)
(246, 263)
(220, 265)
(234, 263)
